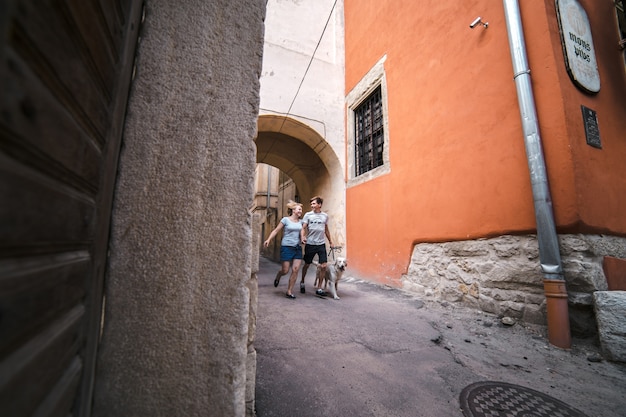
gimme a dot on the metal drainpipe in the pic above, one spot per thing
(550, 258)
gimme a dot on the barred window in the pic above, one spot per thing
(369, 133)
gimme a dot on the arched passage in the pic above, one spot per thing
(308, 159)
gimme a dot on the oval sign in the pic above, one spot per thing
(580, 55)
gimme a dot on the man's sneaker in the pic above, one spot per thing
(302, 287)
(320, 292)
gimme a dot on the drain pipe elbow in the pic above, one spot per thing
(550, 258)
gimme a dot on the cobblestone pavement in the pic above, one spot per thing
(385, 352)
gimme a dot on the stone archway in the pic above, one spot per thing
(308, 159)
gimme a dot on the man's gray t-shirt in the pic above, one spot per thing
(316, 223)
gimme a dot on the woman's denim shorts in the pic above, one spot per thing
(288, 253)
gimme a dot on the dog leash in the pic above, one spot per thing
(334, 249)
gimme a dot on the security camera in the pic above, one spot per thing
(475, 22)
(478, 21)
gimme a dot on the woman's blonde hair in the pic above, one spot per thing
(292, 205)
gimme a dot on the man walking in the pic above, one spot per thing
(314, 233)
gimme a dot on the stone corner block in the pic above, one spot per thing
(610, 309)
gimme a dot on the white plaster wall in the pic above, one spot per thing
(292, 31)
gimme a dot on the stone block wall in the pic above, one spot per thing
(253, 288)
(610, 308)
(181, 282)
(502, 275)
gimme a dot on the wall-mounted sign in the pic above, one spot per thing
(580, 55)
(592, 131)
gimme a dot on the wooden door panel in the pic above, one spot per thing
(41, 289)
(98, 40)
(65, 70)
(52, 54)
(36, 368)
(42, 211)
(113, 18)
(40, 132)
(61, 398)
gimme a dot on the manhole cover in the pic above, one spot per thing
(499, 399)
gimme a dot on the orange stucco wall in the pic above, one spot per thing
(456, 146)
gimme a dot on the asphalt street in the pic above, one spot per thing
(380, 351)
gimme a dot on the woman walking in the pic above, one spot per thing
(290, 249)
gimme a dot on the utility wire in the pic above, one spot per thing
(319, 41)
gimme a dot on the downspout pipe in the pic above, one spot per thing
(550, 258)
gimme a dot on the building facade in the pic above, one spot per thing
(301, 124)
(439, 195)
(274, 189)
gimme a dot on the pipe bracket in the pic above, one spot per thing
(521, 72)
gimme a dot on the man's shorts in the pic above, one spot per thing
(311, 250)
(288, 253)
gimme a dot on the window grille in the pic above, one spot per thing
(369, 133)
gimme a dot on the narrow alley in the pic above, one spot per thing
(385, 352)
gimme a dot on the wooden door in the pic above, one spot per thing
(65, 72)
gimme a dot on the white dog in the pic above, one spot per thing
(334, 272)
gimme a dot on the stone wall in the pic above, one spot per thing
(610, 308)
(181, 282)
(253, 287)
(502, 275)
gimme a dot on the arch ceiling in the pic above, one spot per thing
(299, 151)
(307, 158)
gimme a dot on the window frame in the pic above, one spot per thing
(374, 79)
